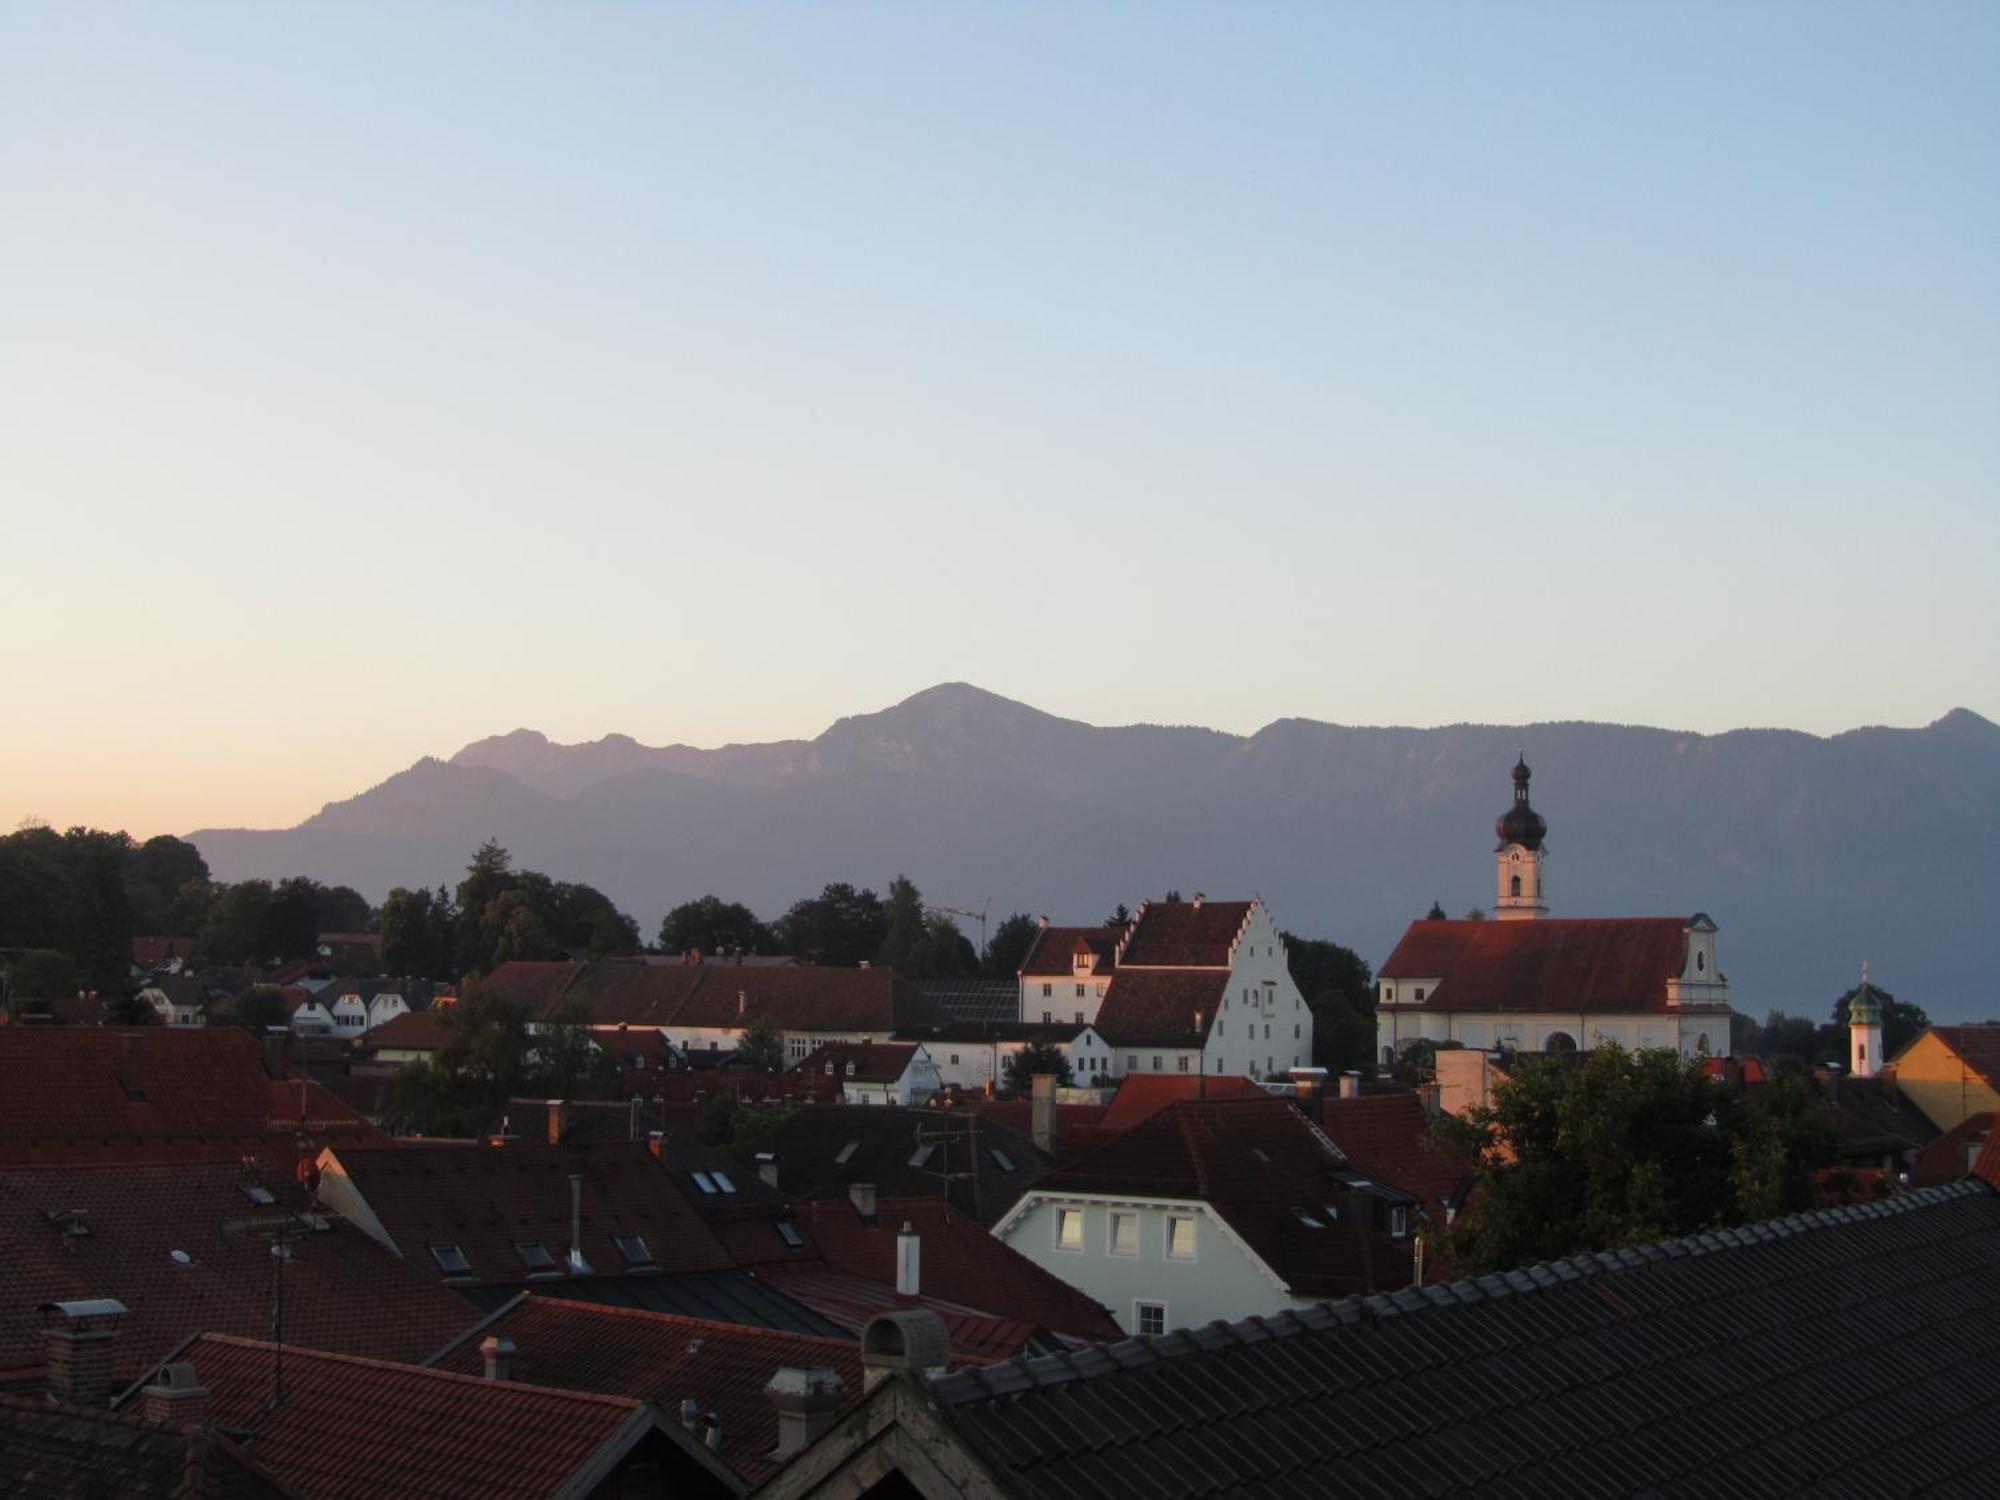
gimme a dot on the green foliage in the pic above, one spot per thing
(1018, 1076)
(291, 921)
(1902, 1023)
(839, 927)
(1794, 1037)
(1339, 989)
(100, 914)
(1416, 1060)
(1612, 1148)
(709, 924)
(125, 1009)
(1436, 913)
(504, 914)
(565, 1061)
(740, 1130)
(237, 927)
(418, 932)
(1008, 946)
(156, 875)
(341, 908)
(761, 1046)
(41, 975)
(261, 1006)
(919, 944)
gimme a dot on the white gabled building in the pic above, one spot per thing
(1185, 987)
(876, 1072)
(970, 1055)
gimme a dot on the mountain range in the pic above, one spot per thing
(1812, 853)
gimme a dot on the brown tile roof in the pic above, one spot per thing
(360, 1429)
(342, 1290)
(150, 1093)
(1161, 1007)
(412, 1031)
(1977, 1044)
(69, 1451)
(1052, 955)
(1955, 1153)
(664, 1359)
(1140, 1096)
(1184, 934)
(151, 952)
(1257, 1163)
(642, 994)
(873, 1062)
(977, 1163)
(488, 1199)
(1385, 1137)
(1587, 965)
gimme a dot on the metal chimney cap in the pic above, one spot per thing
(84, 1308)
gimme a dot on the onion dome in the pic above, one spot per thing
(1521, 824)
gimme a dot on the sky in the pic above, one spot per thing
(374, 378)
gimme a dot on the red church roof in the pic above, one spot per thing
(1586, 965)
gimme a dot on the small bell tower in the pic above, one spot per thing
(1864, 1029)
(1521, 892)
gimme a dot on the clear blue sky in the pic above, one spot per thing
(376, 377)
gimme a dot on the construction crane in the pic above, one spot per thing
(959, 911)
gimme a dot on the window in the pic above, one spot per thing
(1048, 990)
(1514, 885)
(1700, 962)
(1181, 1062)
(1180, 1237)
(1124, 1233)
(789, 1233)
(535, 1256)
(705, 1182)
(451, 1260)
(722, 1181)
(1305, 1217)
(1399, 1222)
(1420, 992)
(1149, 1319)
(1048, 1017)
(954, 1059)
(1295, 1031)
(846, 1153)
(1069, 1229)
(1079, 991)
(921, 1155)
(1221, 1027)
(1156, 1063)
(633, 1247)
(1001, 1159)
(1131, 1063)
(1079, 1018)
(1100, 989)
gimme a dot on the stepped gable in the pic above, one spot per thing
(1570, 964)
(1727, 1363)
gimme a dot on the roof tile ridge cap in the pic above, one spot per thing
(421, 1372)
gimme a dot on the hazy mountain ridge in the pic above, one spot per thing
(1812, 853)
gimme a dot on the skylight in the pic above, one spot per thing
(535, 1255)
(1306, 1218)
(921, 1155)
(722, 1181)
(845, 1152)
(259, 1194)
(1000, 1158)
(451, 1260)
(633, 1248)
(703, 1181)
(789, 1233)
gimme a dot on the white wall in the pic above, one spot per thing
(1530, 1032)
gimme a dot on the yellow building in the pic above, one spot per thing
(1951, 1072)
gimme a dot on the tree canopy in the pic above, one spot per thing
(708, 924)
(1008, 946)
(841, 927)
(1339, 989)
(504, 914)
(1018, 1074)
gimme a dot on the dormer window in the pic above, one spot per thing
(451, 1260)
(634, 1248)
(535, 1256)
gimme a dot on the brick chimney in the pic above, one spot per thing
(499, 1355)
(1042, 1116)
(1350, 1084)
(767, 1168)
(175, 1398)
(862, 1195)
(909, 1260)
(807, 1400)
(558, 1121)
(78, 1336)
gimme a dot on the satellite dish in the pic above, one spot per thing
(181, 1257)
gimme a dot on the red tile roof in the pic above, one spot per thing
(1142, 1095)
(1977, 1044)
(664, 1359)
(360, 1429)
(874, 1062)
(852, 1301)
(412, 1031)
(1954, 1154)
(1587, 965)
(342, 1290)
(1052, 954)
(1385, 1137)
(487, 1199)
(1184, 934)
(1209, 1151)
(1161, 1007)
(151, 952)
(81, 1094)
(642, 994)
(72, 1451)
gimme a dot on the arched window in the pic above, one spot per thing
(1514, 886)
(1559, 1041)
(1700, 962)
(1701, 1043)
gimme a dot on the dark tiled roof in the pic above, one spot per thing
(1955, 1153)
(486, 1200)
(973, 1001)
(66, 1451)
(1161, 1007)
(1978, 1044)
(581, 1346)
(1586, 965)
(987, 1033)
(1873, 1117)
(151, 952)
(961, 1168)
(1730, 1364)
(1140, 1096)
(359, 1429)
(1184, 934)
(977, 1337)
(342, 1290)
(721, 1296)
(151, 1093)
(1257, 1162)
(643, 994)
(1385, 1138)
(1052, 955)
(873, 1062)
(412, 1031)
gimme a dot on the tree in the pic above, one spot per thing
(1902, 1023)
(566, 1062)
(260, 1007)
(1794, 1037)
(1416, 1061)
(482, 1061)
(1436, 913)
(154, 876)
(1121, 916)
(1607, 1148)
(417, 930)
(1475, 914)
(840, 926)
(37, 977)
(341, 908)
(101, 910)
(1009, 946)
(125, 1009)
(760, 1046)
(506, 914)
(236, 925)
(708, 924)
(1339, 989)
(903, 927)
(1018, 1076)
(291, 920)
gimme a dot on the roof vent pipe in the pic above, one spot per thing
(690, 1413)
(909, 1260)
(577, 1264)
(713, 1437)
(499, 1353)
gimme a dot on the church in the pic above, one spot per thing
(1534, 983)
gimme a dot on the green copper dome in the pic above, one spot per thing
(1863, 1009)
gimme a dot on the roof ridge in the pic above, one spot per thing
(428, 1372)
(647, 1314)
(962, 1386)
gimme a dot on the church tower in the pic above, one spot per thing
(1522, 892)
(1864, 1029)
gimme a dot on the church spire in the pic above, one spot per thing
(1521, 890)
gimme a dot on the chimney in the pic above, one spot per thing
(558, 1121)
(807, 1399)
(274, 1050)
(913, 1339)
(1350, 1084)
(742, 1005)
(713, 1435)
(174, 1399)
(767, 1168)
(1042, 1116)
(656, 1140)
(1198, 899)
(690, 1414)
(862, 1194)
(578, 1266)
(909, 1260)
(78, 1335)
(499, 1354)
